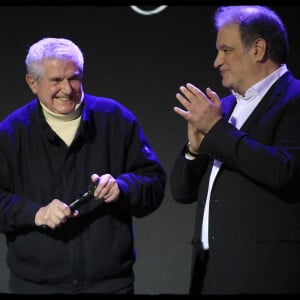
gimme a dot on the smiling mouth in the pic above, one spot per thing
(63, 99)
(222, 72)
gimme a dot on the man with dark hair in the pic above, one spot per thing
(242, 161)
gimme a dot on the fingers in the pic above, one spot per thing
(94, 177)
(194, 90)
(191, 93)
(54, 214)
(181, 112)
(107, 188)
(203, 110)
(183, 100)
(59, 215)
(187, 96)
(212, 96)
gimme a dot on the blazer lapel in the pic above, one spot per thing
(228, 104)
(273, 95)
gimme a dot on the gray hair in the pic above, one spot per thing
(48, 48)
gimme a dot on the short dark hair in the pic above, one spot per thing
(255, 22)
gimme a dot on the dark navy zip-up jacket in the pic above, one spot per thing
(94, 251)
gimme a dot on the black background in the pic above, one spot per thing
(140, 61)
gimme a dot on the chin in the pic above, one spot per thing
(64, 111)
(66, 108)
(226, 84)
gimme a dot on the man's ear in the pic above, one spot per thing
(31, 83)
(260, 49)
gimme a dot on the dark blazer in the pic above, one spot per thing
(254, 216)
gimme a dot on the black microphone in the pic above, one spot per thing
(89, 193)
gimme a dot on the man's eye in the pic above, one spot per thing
(75, 79)
(55, 79)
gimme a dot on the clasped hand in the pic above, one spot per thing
(57, 212)
(202, 112)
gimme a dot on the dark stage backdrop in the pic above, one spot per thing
(140, 60)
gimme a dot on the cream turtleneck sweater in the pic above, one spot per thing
(64, 125)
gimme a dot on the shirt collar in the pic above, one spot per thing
(261, 87)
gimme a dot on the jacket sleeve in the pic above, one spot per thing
(185, 177)
(15, 210)
(268, 153)
(143, 185)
